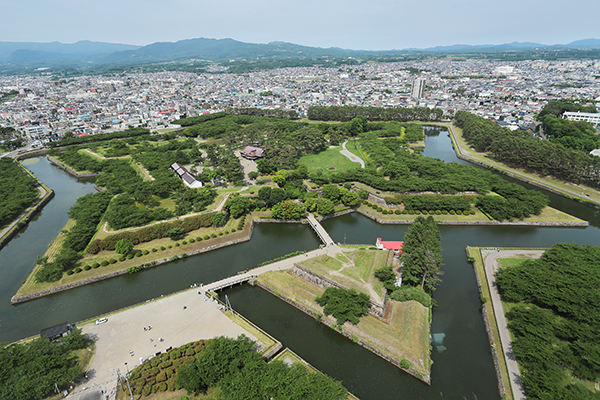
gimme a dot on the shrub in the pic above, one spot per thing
(404, 212)
(397, 212)
(95, 265)
(154, 250)
(226, 233)
(138, 254)
(206, 237)
(192, 241)
(379, 209)
(92, 266)
(145, 252)
(70, 272)
(407, 293)
(121, 258)
(472, 212)
(184, 242)
(404, 363)
(177, 244)
(112, 261)
(417, 212)
(129, 256)
(162, 387)
(438, 212)
(411, 212)
(170, 247)
(198, 239)
(452, 212)
(103, 263)
(444, 212)
(78, 270)
(220, 233)
(212, 235)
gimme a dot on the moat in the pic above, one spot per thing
(463, 370)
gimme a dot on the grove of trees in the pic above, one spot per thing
(347, 113)
(521, 150)
(18, 190)
(422, 255)
(344, 305)
(555, 320)
(30, 370)
(239, 371)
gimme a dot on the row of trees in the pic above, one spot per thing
(71, 140)
(523, 151)
(556, 320)
(347, 113)
(152, 232)
(238, 370)
(30, 370)
(87, 213)
(18, 190)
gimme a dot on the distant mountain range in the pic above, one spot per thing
(86, 53)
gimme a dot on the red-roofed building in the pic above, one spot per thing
(389, 245)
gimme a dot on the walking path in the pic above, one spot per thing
(490, 261)
(351, 156)
(527, 178)
(318, 228)
(282, 265)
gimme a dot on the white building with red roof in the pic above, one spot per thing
(396, 246)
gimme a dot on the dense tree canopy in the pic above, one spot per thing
(347, 113)
(30, 370)
(344, 305)
(523, 151)
(235, 367)
(18, 190)
(556, 322)
(422, 254)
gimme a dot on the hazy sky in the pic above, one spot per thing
(350, 24)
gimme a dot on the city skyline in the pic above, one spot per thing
(382, 25)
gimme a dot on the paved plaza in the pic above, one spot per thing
(122, 341)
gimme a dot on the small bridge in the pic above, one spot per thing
(318, 228)
(228, 282)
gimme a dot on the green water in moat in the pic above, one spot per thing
(463, 371)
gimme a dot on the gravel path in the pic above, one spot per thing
(351, 156)
(490, 259)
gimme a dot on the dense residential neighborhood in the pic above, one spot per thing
(511, 93)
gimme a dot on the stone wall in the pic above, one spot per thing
(360, 342)
(22, 299)
(71, 171)
(376, 309)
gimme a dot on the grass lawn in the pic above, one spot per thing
(56, 244)
(510, 262)
(406, 336)
(330, 158)
(355, 272)
(141, 171)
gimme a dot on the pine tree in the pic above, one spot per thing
(422, 254)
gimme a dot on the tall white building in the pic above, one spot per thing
(418, 88)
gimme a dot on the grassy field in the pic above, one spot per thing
(56, 244)
(406, 335)
(330, 158)
(510, 262)
(355, 272)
